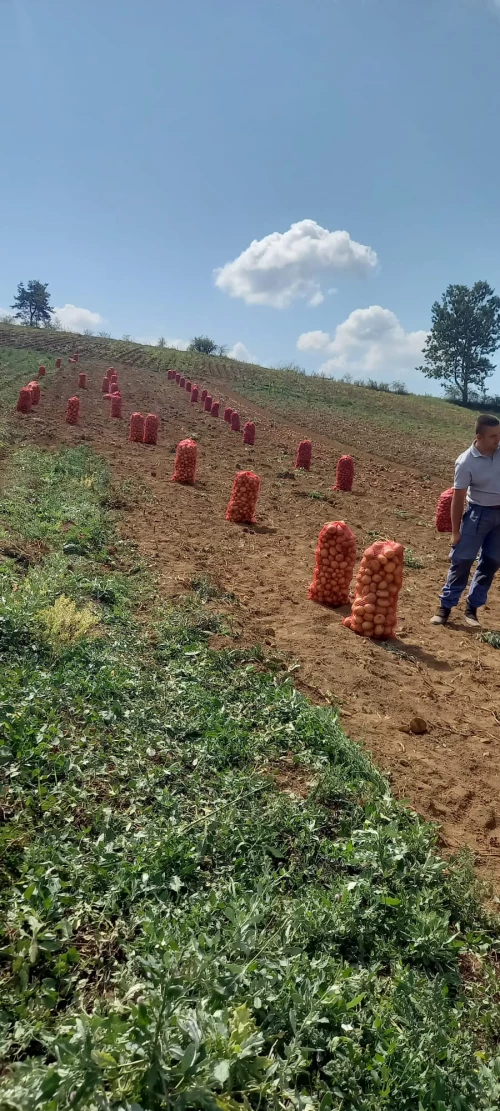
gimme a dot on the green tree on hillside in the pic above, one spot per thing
(465, 330)
(203, 344)
(33, 304)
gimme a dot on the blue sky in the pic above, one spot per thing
(148, 143)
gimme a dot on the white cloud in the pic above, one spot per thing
(369, 340)
(239, 351)
(74, 319)
(284, 266)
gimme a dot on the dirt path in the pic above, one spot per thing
(452, 773)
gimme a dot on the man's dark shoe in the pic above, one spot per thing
(470, 617)
(441, 616)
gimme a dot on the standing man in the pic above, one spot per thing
(477, 478)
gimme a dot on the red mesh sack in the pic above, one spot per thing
(194, 393)
(345, 473)
(111, 371)
(116, 405)
(304, 455)
(105, 385)
(41, 369)
(335, 559)
(114, 387)
(151, 429)
(113, 377)
(24, 400)
(208, 403)
(215, 408)
(243, 500)
(228, 412)
(185, 462)
(443, 511)
(177, 377)
(108, 396)
(188, 386)
(203, 396)
(76, 357)
(249, 433)
(235, 423)
(136, 428)
(169, 375)
(182, 382)
(72, 410)
(82, 381)
(378, 583)
(35, 392)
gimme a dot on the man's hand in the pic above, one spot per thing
(455, 537)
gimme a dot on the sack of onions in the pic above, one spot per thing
(345, 473)
(304, 455)
(116, 405)
(76, 357)
(215, 408)
(105, 385)
(249, 432)
(151, 429)
(72, 410)
(235, 421)
(376, 592)
(114, 387)
(182, 382)
(228, 412)
(203, 396)
(243, 500)
(185, 462)
(82, 381)
(443, 511)
(136, 428)
(41, 369)
(177, 377)
(194, 393)
(335, 559)
(188, 386)
(35, 392)
(24, 400)
(208, 403)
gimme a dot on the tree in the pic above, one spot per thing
(203, 345)
(161, 342)
(465, 330)
(33, 304)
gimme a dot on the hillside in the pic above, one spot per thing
(212, 898)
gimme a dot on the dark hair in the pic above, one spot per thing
(486, 420)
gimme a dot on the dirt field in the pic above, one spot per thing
(452, 773)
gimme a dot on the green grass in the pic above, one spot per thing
(18, 366)
(491, 637)
(412, 561)
(177, 931)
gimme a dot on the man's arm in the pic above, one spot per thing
(457, 512)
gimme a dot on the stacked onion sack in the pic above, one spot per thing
(304, 455)
(136, 428)
(228, 412)
(335, 559)
(208, 403)
(443, 511)
(75, 357)
(35, 392)
(215, 408)
(249, 433)
(194, 393)
(235, 421)
(72, 410)
(151, 429)
(116, 405)
(345, 473)
(185, 462)
(188, 386)
(177, 377)
(41, 369)
(378, 583)
(203, 396)
(182, 382)
(82, 380)
(24, 400)
(105, 384)
(243, 500)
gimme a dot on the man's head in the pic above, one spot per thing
(487, 433)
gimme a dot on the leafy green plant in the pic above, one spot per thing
(412, 561)
(490, 637)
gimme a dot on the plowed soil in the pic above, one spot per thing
(450, 774)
